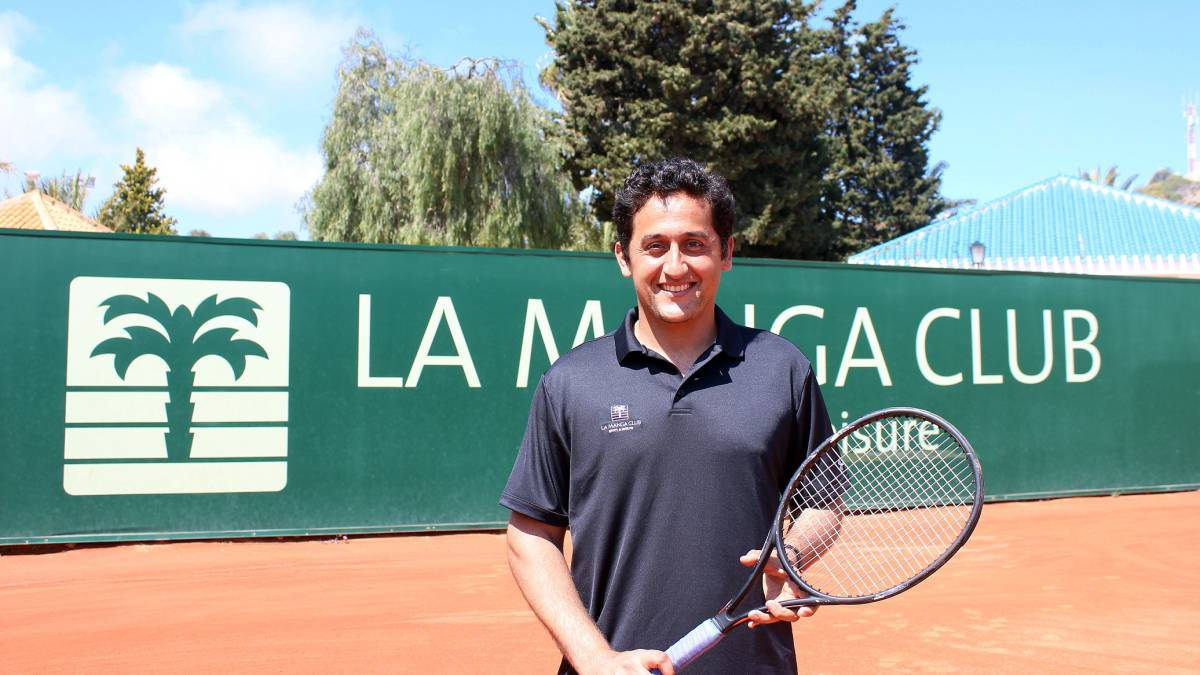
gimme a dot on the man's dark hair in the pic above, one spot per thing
(667, 177)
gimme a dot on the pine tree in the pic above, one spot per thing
(878, 134)
(416, 154)
(136, 205)
(819, 131)
(726, 83)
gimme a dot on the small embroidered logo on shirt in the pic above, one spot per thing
(618, 416)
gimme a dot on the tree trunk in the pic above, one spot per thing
(179, 413)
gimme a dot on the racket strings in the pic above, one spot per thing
(905, 550)
(878, 509)
(857, 568)
(877, 572)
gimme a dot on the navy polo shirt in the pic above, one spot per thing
(666, 478)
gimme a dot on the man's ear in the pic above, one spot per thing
(727, 259)
(622, 262)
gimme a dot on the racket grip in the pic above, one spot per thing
(693, 644)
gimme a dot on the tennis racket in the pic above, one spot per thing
(877, 508)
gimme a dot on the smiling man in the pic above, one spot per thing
(663, 447)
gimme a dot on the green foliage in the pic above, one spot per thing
(1109, 178)
(180, 344)
(136, 205)
(820, 133)
(199, 233)
(283, 235)
(1165, 184)
(720, 83)
(68, 189)
(415, 154)
(878, 135)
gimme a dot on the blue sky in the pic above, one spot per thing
(229, 99)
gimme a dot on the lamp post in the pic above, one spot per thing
(977, 252)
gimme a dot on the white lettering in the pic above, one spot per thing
(1014, 362)
(592, 318)
(535, 317)
(749, 322)
(365, 378)
(863, 439)
(925, 431)
(862, 325)
(909, 425)
(802, 310)
(923, 353)
(977, 375)
(443, 309)
(1087, 344)
(893, 441)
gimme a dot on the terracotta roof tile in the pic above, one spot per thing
(36, 211)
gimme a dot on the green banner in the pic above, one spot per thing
(164, 387)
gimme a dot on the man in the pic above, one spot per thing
(663, 447)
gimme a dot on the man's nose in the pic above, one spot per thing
(674, 265)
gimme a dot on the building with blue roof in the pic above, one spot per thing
(1062, 224)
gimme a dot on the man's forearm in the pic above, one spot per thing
(812, 534)
(536, 559)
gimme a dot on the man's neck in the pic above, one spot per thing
(681, 343)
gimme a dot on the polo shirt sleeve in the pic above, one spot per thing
(812, 424)
(539, 484)
(812, 429)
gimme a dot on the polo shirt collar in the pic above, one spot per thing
(729, 337)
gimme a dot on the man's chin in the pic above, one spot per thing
(676, 314)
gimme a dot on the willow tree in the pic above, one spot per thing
(416, 154)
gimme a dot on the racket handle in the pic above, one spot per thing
(693, 644)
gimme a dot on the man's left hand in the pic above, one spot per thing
(777, 587)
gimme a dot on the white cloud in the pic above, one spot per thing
(163, 95)
(285, 42)
(210, 156)
(37, 121)
(12, 27)
(232, 169)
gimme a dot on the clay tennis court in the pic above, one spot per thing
(1108, 584)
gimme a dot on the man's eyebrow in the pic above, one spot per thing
(694, 234)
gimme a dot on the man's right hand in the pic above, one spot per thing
(535, 557)
(634, 661)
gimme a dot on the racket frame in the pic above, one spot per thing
(726, 620)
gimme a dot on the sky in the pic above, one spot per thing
(229, 98)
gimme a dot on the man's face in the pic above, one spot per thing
(675, 259)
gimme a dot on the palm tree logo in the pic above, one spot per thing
(181, 343)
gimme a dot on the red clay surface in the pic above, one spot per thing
(1105, 584)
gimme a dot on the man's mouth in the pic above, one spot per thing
(676, 289)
